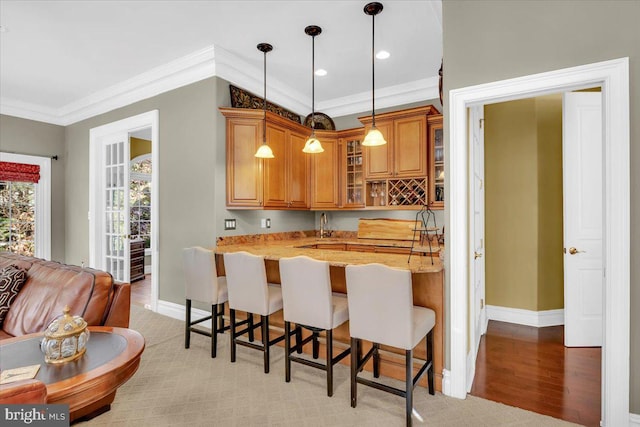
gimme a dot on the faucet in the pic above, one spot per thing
(323, 224)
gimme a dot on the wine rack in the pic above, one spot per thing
(397, 192)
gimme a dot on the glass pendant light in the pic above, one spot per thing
(313, 145)
(374, 137)
(264, 151)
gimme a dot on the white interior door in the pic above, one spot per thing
(478, 312)
(115, 239)
(582, 152)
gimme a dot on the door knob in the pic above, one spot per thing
(477, 255)
(574, 251)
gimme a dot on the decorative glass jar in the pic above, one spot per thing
(65, 339)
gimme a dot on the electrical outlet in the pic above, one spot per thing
(268, 222)
(265, 222)
(230, 224)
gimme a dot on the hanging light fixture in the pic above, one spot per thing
(374, 137)
(313, 145)
(264, 151)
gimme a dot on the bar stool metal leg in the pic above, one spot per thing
(187, 324)
(232, 326)
(355, 361)
(265, 341)
(214, 330)
(409, 385)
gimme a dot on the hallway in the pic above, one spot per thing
(530, 368)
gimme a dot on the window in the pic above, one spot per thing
(140, 199)
(18, 217)
(25, 209)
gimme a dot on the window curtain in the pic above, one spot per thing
(19, 172)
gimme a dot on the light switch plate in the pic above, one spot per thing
(230, 224)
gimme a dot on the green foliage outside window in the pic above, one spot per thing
(17, 217)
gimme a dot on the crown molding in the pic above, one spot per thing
(390, 96)
(24, 110)
(205, 63)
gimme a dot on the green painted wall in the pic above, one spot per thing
(138, 147)
(490, 40)
(523, 196)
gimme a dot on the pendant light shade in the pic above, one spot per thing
(313, 146)
(374, 137)
(264, 151)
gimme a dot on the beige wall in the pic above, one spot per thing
(491, 40)
(523, 195)
(42, 139)
(192, 179)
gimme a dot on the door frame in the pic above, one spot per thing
(613, 78)
(130, 124)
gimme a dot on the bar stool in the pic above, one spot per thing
(203, 284)
(309, 303)
(250, 292)
(381, 310)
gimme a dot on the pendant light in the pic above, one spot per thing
(374, 137)
(264, 151)
(313, 145)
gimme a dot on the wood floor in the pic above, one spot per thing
(141, 291)
(530, 368)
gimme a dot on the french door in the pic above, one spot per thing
(115, 206)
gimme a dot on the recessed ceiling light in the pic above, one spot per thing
(383, 54)
(321, 72)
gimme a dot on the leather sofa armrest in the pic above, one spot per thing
(120, 307)
(25, 391)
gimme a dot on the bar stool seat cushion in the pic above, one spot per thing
(424, 320)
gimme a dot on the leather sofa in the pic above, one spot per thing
(50, 286)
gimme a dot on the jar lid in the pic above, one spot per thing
(65, 325)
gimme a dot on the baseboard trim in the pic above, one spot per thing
(634, 420)
(446, 382)
(176, 311)
(526, 317)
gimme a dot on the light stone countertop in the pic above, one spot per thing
(276, 249)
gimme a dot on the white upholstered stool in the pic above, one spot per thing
(250, 292)
(203, 284)
(381, 310)
(309, 303)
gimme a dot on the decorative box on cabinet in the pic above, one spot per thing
(136, 257)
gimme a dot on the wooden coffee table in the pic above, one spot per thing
(88, 385)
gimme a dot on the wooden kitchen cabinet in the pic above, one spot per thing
(325, 177)
(253, 183)
(436, 162)
(285, 176)
(244, 170)
(405, 154)
(352, 192)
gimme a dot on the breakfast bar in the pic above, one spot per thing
(343, 249)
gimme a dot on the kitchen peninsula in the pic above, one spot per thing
(345, 248)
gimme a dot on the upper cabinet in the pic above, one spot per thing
(278, 183)
(351, 168)
(436, 156)
(405, 154)
(244, 170)
(325, 177)
(405, 173)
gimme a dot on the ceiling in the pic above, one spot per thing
(64, 61)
